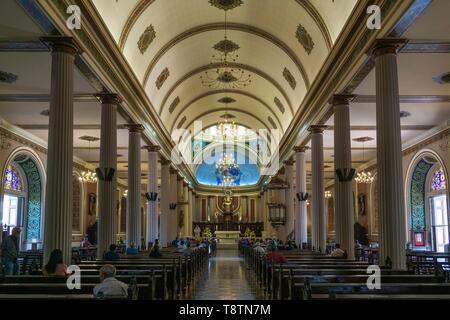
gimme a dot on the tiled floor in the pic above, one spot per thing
(226, 279)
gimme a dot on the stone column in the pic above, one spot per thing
(344, 221)
(391, 206)
(197, 209)
(173, 221)
(107, 173)
(318, 216)
(134, 185)
(164, 204)
(289, 196)
(301, 196)
(186, 209)
(191, 212)
(152, 194)
(58, 195)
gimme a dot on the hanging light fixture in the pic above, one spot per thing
(227, 73)
(364, 176)
(88, 176)
(327, 194)
(226, 130)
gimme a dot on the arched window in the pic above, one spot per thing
(12, 180)
(439, 182)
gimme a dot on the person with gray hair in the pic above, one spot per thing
(110, 287)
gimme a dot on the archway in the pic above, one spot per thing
(428, 203)
(23, 184)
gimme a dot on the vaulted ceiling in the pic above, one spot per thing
(169, 44)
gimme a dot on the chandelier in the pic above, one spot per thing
(364, 177)
(227, 171)
(227, 73)
(88, 176)
(327, 194)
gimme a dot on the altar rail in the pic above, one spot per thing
(256, 227)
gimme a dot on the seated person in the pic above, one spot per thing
(111, 255)
(85, 242)
(275, 257)
(55, 265)
(110, 287)
(258, 249)
(155, 252)
(182, 246)
(132, 250)
(338, 252)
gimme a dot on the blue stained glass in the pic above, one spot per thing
(12, 180)
(439, 181)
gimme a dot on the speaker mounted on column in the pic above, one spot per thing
(345, 174)
(105, 174)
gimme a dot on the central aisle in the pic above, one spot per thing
(226, 279)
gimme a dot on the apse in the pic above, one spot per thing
(249, 171)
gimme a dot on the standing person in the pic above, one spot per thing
(10, 252)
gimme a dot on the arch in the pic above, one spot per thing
(252, 69)
(418, 213)
(230, 26)
(144, 4)
(226, 91)
(33, 170)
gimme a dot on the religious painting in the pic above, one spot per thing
(362, 204)
(419, 239)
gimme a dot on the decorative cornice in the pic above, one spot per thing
(232, 65)
(387, 46)
(300, 149)
(230, 26)
(135, 127)
(317, 128)
(152, 148)
(342, 99)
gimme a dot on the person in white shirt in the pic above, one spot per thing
(110, 287)
(338, 252)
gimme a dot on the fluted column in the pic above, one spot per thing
(58, 195)
(165, 201)
(173, 221)
(344, 175)
(152, 194)
(289, 196)
(134, 185)
(391, 206)
(301, 228)
(191, 212)
(107, 173)
(186, 209)
(318, 216)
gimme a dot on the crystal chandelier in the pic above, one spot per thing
(363, 176)
(327, 194)
(226, 129)
(226, 75)
(227, 170)
(88, 176)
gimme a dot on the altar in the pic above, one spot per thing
(227, 239)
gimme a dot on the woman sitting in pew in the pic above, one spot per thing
(338, 252)
(55, 265)
(155, 252)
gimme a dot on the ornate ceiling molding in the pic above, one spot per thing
(239, 92)
(226, 4)
(249, 68)
(144, 4)
(146, 38)
(289, 78)
(174, 104)
(235, 110)
(305, 39)
(230, 26)
(162, 78)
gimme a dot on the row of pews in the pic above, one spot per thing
(166, 278)
(308, 275)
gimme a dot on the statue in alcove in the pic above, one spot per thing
(92, 204)
(362, 204)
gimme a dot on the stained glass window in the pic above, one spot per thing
(439, 181)
(12, 180)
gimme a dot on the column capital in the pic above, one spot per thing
(172, 170)
(179, 178)
(134, 127)
(342, 99)
(317, 128)
(152, 148)
(108, 98)
(165, 162)
(61, 44)
(185, 184)
(289, 162)
(387, 46)
(298, 149)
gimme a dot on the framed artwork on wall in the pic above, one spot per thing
(419, 239)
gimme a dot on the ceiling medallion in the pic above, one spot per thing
(226, 46)
(146, 38)
(289, 78)
(226, 4)
(305, 39)
(162, 78)
(174, 104)
(279, 104)
(8, 77)
(226, 100)
(227, 116)
(443, 78)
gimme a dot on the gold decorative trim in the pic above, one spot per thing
(305, 39)
(146, 39)
(210, 93)
(162, 78)
(230, 26)
(226, 4)
(194, 72)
